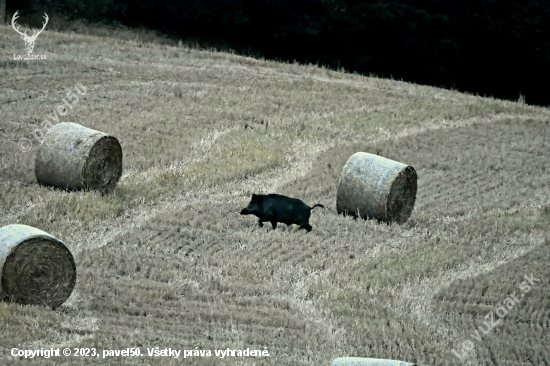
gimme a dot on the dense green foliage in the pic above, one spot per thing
(494, 48)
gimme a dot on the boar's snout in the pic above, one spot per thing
(244, 211)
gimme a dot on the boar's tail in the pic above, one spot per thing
(320, 205)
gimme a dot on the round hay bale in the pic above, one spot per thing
(35, 267)
(358, 361)
(75, 157)
(376, 187)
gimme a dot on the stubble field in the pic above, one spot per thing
(167, 261)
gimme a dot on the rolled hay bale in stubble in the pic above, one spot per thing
(358, 361)
(35, 267)
(375, 187)
(76, 157)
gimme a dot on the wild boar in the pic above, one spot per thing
(277, 208)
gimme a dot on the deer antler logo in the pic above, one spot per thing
(29, 40)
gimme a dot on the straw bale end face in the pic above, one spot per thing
(35, 267)
(372, 186)
(74, 157)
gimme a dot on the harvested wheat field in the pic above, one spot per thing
(165, 260)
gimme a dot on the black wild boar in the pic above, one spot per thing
(276, 208)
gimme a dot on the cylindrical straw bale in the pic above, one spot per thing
(35, 267)
(76, 157)
(358, 361)
(375, 187)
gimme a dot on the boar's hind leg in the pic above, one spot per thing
(307, 227)
(274, 223)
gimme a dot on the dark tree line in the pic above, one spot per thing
(489, 47)
(2, 11)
